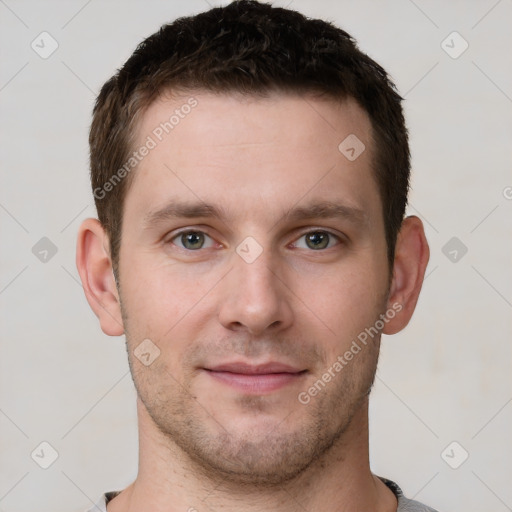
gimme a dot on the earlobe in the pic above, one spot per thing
(411, 259)
(95, 268)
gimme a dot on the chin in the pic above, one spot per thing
(257, 451)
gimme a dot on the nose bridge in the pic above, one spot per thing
(254, 298)
(258, 276)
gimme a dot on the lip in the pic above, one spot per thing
(259, 369)
(255, 379)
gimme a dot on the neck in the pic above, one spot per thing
(168, 480)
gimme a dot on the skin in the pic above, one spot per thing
(206, 444)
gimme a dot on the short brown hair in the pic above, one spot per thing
(250, 48)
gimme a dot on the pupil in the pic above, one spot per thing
(317, 240)
(192, 240)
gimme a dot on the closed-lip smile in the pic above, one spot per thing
(255, 379)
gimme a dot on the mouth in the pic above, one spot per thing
(255, 379)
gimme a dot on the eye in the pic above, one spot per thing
(192, 240)
(317, 240)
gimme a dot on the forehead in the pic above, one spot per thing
(231, 148)
(279, 117)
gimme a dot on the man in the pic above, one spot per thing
(250, 169)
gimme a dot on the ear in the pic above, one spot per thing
(411, 258)
(95, 269)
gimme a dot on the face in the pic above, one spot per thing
(253, 255)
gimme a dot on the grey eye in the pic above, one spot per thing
(317, 240)
(192, 240)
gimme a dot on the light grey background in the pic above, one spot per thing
(445, 378)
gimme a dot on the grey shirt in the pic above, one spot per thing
(404, 504)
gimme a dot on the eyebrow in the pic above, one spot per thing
(314, 210)
(327, 210)
(182, 210)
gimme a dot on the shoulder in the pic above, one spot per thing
(405, 504)
(101, 505)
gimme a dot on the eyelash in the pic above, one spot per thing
(332, 235)
(184, 232)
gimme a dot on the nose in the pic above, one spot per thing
(256, 298)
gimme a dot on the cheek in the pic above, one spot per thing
(343, 304)
(162, 301)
